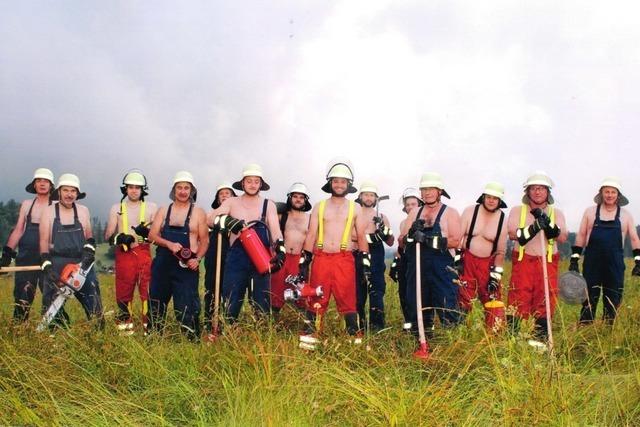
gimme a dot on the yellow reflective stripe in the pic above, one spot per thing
(320, 241)
(142, 211)
(523, 220)
(125, 217)
(552, 218)
(346, 234)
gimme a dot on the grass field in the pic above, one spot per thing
(256, 375)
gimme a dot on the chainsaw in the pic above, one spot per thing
(71, 280)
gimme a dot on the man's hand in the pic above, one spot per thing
(574, 265)
(495, 276)
(416, 227)
(228, 223)
(174, 247)
(8, 255)
(366, 266)
(88, 253)
(142, 230)
(636, 259)
(303, 265)
(394, 269)
(193, 263)
(125, 241)
(47, 269)
(457, 262)
(278, 259)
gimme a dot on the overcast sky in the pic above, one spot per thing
(476, 90)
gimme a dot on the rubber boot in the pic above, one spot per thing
(308, 337)
(540, 332)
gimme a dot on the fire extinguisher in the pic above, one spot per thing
(258, 253)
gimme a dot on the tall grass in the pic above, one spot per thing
(256, 375)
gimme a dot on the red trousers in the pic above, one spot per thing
(336, 273)
(278, 285)
(476, 276)
(133, 267)
(526, 292)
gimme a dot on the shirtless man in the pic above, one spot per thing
(66, 238)
(602, 231)
(526, 292)
(328, 244)
(233, 216)
(26, 238)
(437, 228)
(294, 223)
(218, 242)
(410, 200)
(377, 232)
(181, 234)
(483, 246)
(128, 230)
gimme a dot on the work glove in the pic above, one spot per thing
(278, 259)
(495, 276)
(142, 230)
(457, 262)
(125, 241)
(636, 259)
(393, 269)
(416, 227)
(88, 253)
(540, 222)
(228, 223)
(576, 251)
(366, 266)
(47, 269)
(8, 255)
(303, 265)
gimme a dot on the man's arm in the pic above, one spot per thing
(631, 230)
(513, 222)
(86, 223)
(45, 230)
(454, 228)
(562, 224)
(154, 233)
(502, 248)
(312, 233)
(112, 224)
(273, 223)
(18, 230)
(390, 238)
(406, 225)
(581, 235)
(202, 232)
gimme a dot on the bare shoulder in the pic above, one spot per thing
(198, 212)
(152, 206)
(625, 215)
(515, 211)
(83, 210)
(451, 212)
(468, 211)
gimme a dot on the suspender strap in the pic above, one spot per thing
(125, 216)
(523, 220)
(495, 241)
(346, 234)
(283, 221)
(472, 226)
(263, 216)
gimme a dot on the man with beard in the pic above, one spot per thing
(377, 232)
(484, 244)
(236, 213)
(128, 230)
(66, 238)
(437, 228)
(410, 200)
(328, 244)
(214, 259)
(536, 219)
(603, 229)
(26, 238)
(181, 234)
(294, 223)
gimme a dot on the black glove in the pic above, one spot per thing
(636, 259)
(457, 262)
(576, 251)
(88, 253)
(366, 266)
(47, 268)
(278, 260)
(8, 255)
(393, 269)
(552, 231)
(142, 230)
(416, 227)
(303, 265)
(495, 276)
(540, 222)
(228, 223)
(125, 241)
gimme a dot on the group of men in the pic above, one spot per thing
(274, 252)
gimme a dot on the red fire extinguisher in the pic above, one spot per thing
(258, 253)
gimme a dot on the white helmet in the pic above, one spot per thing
(252, 169)
(43, 173)
(369, 187)
(339, 167)
(298, 187)
(612, 181)
(494, 189)
(537, 178)
(433, 180)
(71, 180)
(134, 177)
(184, 176)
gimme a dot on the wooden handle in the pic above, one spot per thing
(20, 268)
